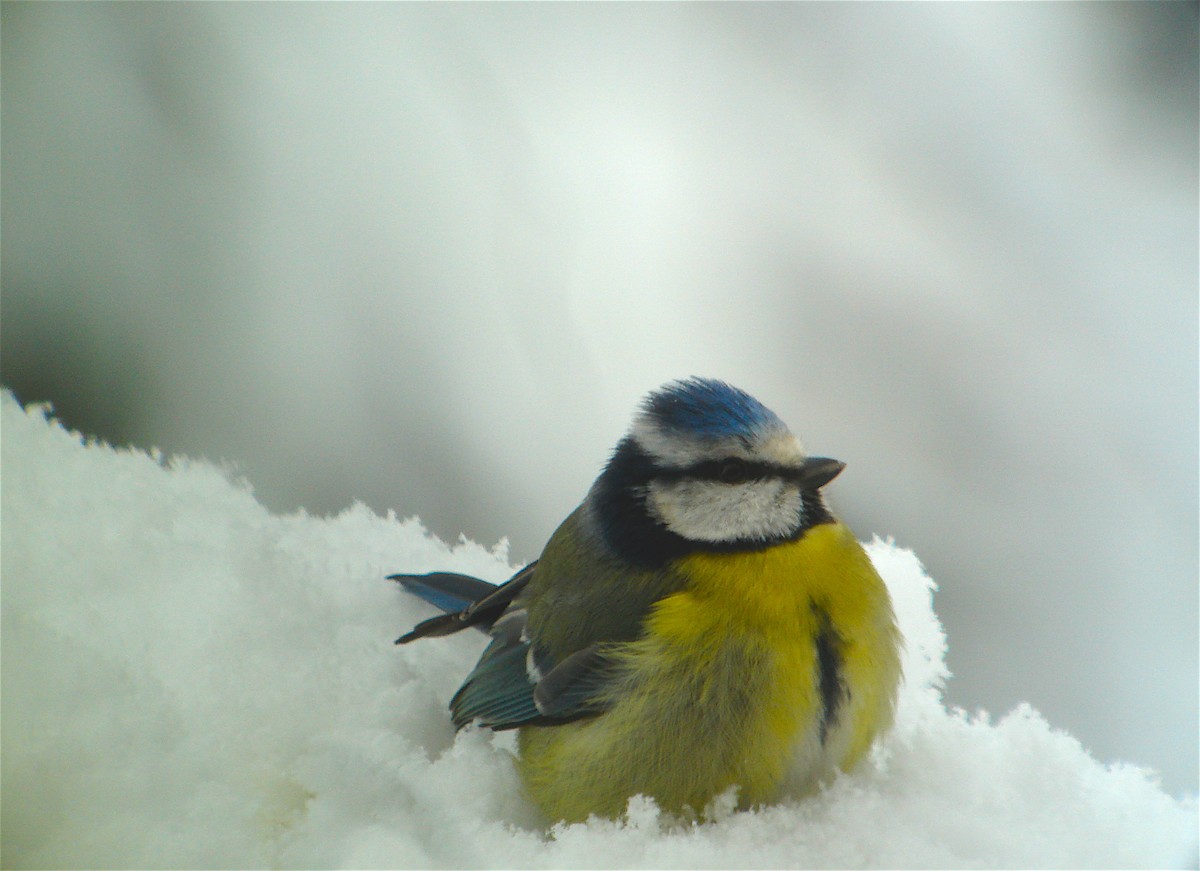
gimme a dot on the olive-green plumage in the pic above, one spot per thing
(570, 601)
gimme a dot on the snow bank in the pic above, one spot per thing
(191, 681)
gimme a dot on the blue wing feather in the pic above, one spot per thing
(500, 692)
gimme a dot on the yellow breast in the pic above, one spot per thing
(724, 686)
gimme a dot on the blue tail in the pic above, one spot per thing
(467, 601)
(445, 590)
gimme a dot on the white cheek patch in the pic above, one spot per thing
(701, 510)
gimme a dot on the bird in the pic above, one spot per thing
(700, 622)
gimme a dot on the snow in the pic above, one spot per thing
(191, 681)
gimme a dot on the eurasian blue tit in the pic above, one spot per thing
(701, 621)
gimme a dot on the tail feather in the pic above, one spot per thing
(445, 590)
(467, 601)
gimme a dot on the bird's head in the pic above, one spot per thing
(706, 466)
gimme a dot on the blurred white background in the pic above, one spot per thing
(430, 256)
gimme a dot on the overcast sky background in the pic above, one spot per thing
(429, 256)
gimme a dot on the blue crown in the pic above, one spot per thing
(711, 408)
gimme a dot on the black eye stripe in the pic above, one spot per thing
(720, 471)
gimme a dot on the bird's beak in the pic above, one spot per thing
(816, 472)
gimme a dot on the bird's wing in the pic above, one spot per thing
(574, 688)
(514, 683)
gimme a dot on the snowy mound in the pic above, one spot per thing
(189, 681)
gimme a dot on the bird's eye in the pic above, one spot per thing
(733, 472)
